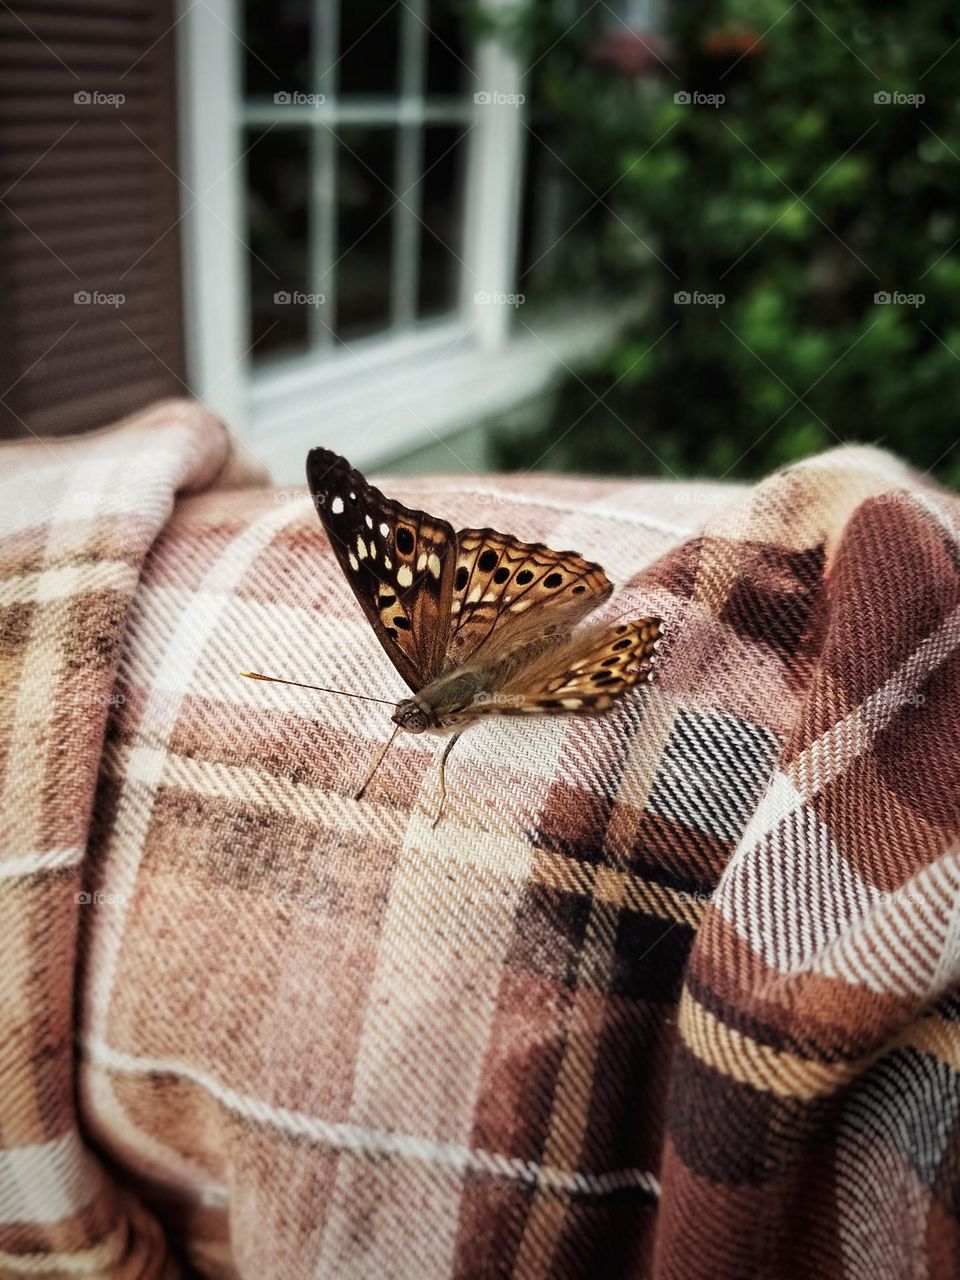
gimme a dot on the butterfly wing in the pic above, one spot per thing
(506, 593)
(585, 673)
(400, 563)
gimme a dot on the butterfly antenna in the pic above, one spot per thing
(358, 795)
(297, 684)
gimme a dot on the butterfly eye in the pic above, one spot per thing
(487, 561)
(461, 579)
(553, 580)
(404, 540)
(502, 574)
(523, 577)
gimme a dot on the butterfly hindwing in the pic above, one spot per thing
(506, 592)
(584, 673)
(399, 562)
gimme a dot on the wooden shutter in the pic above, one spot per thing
(89, 207)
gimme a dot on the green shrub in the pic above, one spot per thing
(799, 198)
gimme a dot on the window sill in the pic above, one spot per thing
(377, 400)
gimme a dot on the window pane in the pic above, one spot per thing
(277, 168)
(441, 236)
(277, 46)
(447, 50)
(365, 182)
(370, 47)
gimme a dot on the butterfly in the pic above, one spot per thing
(476, 622)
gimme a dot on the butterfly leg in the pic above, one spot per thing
(358, 794)
(443, 781)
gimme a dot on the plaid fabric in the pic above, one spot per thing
(671, 992)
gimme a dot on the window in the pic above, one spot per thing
(353, 224)
(356, 124)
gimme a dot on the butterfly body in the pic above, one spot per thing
(430, 708)
(477, 622)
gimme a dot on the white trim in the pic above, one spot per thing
(377, 402)
(216, 299)
(322, 189)
(492, 198)
(408, 109)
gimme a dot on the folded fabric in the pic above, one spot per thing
(670, 992)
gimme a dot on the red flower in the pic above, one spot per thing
(634, 53)
(733, 40)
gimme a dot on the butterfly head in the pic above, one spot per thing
(413, 717)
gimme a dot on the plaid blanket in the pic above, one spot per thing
(671, 992)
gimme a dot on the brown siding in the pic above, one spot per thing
(89, 204)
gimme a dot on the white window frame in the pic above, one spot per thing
(377, 397)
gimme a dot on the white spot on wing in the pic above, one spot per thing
(385, 530)
(369, 522)
(361, 548)
(354, 562)
(404, 575)
(336, 506)
(433, 564)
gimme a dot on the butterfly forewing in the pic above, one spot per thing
(400, 563)
(584, 673)
(507, 592)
